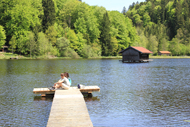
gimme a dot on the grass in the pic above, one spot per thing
(4, 55)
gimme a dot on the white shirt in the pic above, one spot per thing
(65, 81)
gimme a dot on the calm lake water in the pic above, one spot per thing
(146, 94)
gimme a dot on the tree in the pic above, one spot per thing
(163, 11)
(74, 44)
(122, 29)
(105, 36)
(43, 44)
(137, 20)
(51, 35)
(146, 19)
(124, 11)
(179, 17)
(20, 19)
(62, 45)
(22, 46)
(49, 14)
(153, 44)
(87, 22)
(12, 44)
(67, 12)
(2, 36)
(32, 44)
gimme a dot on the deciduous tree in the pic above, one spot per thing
(2, 36)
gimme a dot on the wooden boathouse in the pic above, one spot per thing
(135, 54)
(167, 53)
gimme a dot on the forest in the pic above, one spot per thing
(72, 28)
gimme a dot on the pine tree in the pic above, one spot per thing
(105, 36)
(49, 14)
(124, 11)
(186, 9)
(163, 11)
(179, 16)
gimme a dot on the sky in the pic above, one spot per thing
(112, 4)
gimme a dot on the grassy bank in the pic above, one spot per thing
(4, 55)
(10, 55)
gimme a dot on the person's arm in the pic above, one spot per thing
(60, 81)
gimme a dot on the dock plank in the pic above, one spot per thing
(69, 110)
(86, 89)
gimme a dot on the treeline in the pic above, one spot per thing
(162, 25)
(66, 28)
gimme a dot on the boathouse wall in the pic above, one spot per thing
(131, 55)
(135, 54)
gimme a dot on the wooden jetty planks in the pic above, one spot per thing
(69, 110)
(86, 89)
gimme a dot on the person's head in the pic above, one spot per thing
(66, 74)
(62, 75)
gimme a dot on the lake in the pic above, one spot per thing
(140, 94)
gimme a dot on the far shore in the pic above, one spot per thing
(169, 57)
(16, 56)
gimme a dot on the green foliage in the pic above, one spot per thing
(86, 22)
(113, 49)
(122, 30)
(22, 18)
(146, 19)
(32, 44)
(67, 11)
(87, 51)
(49, 14)
(43, 44)
(2, 36)
(22, 43)
(137, 20)
(51, 35)
(62, 45)
(59, 30)
(143, 40)
(105, 36)
(12, 43)
(153, 44)
(71, 53)
(74, 44)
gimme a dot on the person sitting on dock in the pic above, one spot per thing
(63, 83)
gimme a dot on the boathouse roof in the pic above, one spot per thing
(165, 52)
(139, 49)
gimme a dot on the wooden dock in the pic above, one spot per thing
(46, 91)
(69, 110)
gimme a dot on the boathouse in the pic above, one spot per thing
(135, 54)
(4, 49)
(167, 53)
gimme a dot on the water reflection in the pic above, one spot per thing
(87, 99)
(47, 98)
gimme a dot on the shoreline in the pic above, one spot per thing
(6, 56)
(169, 57)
